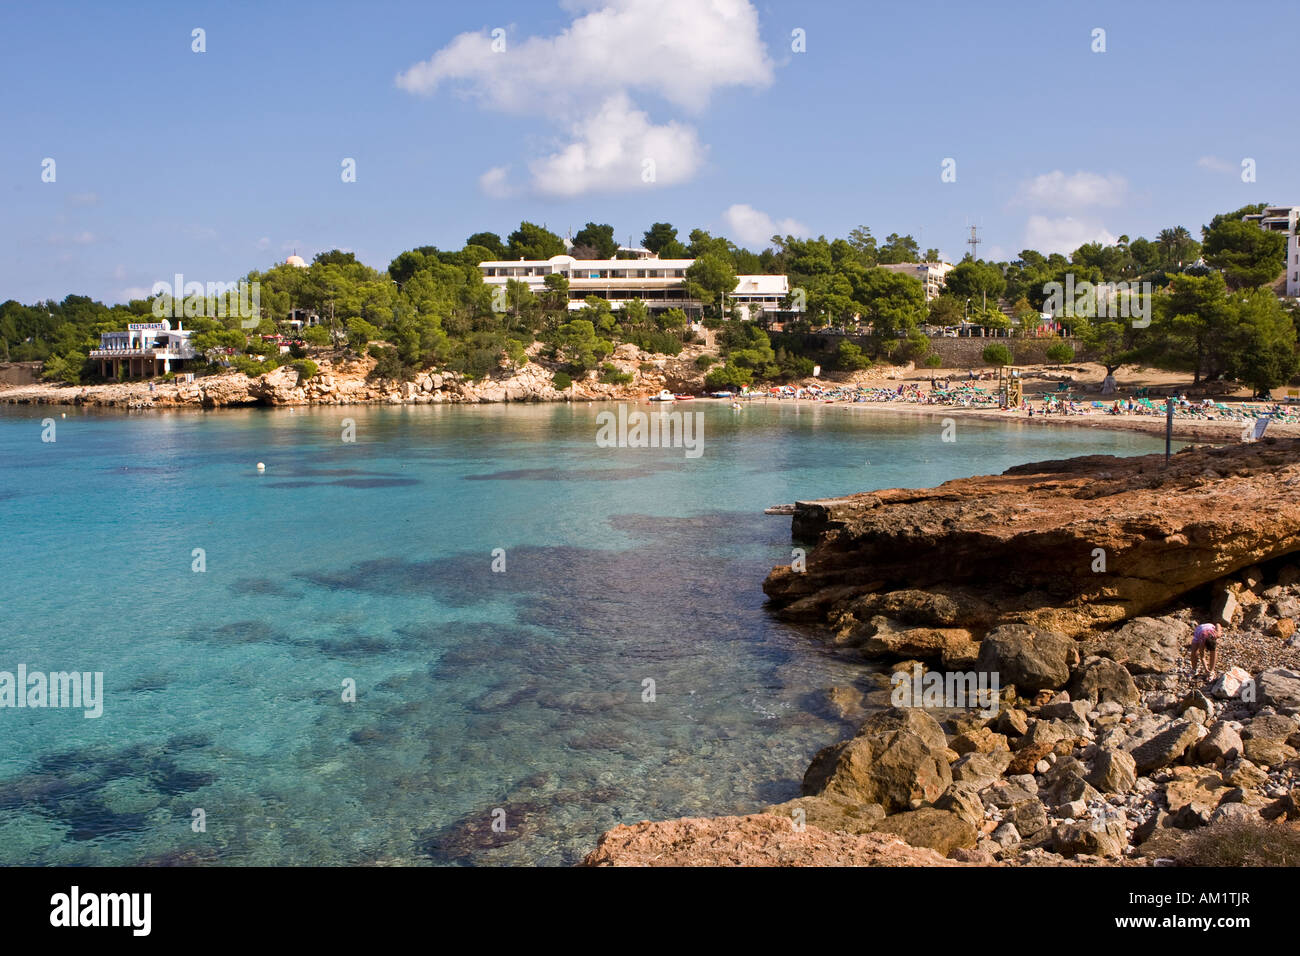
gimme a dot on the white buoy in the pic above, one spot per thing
(261, 467)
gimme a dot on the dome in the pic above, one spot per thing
(296, 261)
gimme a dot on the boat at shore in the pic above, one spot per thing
(664, 396)
(684, 398)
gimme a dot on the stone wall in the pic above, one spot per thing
(20, 373)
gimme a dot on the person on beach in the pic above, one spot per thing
(1205, 641)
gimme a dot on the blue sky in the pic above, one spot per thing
(214, 163)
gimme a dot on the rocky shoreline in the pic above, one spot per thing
(347, 381)
(1077, 584)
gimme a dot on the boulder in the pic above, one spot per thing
(939, 830)
(1280, 687)
(1164, 747)
(891, 769)
(1006, 835)
(1030, 658)
(1113, 771)
(1144, 645)
(912, 719)
(1012, 722)
(1271, 725)
(964, 801)
(1230, 683)
(980, 770)
(979, 741)
(1267, 752)
(953, 648)
(1101, 680)
(1096, 838)
(831, 813)
(1192, 794)
(1221, 742)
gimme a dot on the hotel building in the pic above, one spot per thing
(932, 275)
(659, 283)
(144, 349)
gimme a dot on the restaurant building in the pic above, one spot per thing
(143, 349)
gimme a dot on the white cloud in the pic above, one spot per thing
(752, 227)
(618, 148)
(1061, 192)
(1216, 165)
(1064, 234)
(679, 49)
(495, 183)
(582, 81)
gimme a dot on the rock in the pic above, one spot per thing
(1144, 645)
(1286, 807)
(1070, 787)
(1101, 680)
(891, 769)
(1012, 722)
(1145, 829)
(1006, 835)
(1192, 795)
(1113, 771)
(1288, 575)
(756, 840)
(848, 702)
(1283, 628)
(1163, 748)
(833, 814)
(980, 770)
(1047, 732)
(939, 830)
(1029, 817)
(1221, 742)
(1234, 813)
(1073, 810)
(953, 648)
(1224, 608)
(1280, 687)
(1195, 698)
(976, 856)
(979, 741)
(1246, 775)
(1031, 659)
(1229, 684)
(1267, 752)
(964, 801)
(1097, 838)
(1271, 725)
(1076, 710)
(911, 719)
(1026, 759)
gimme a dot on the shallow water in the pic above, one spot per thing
(520, 691)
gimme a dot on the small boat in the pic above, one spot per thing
(664, 396)
(684, 398)
(722, 395)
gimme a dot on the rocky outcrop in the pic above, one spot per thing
(757, 840)
(1068, 547)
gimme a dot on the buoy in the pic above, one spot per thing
(63, 414)
(261, 467)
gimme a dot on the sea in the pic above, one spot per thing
(425, 635)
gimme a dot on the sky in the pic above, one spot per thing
(742, 117)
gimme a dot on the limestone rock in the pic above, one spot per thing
(940, 830)
(1221, 742)
(1163, 748)
(1113, 771)
(1030, 658)
(891, 769)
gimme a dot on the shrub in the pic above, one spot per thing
(849, 357)
(610, 375)
(996, 354)
(728, 376)
(388, 364)
(1060, 353)
(1241, 843)
(933, 361)
(705, 362)
(560, 381)
(306, 369)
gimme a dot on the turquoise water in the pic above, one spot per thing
(371, 561)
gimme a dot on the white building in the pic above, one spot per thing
(659, 283)
(932, 275)
(147, 348)
(1284, 219)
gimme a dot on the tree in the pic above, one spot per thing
(850, 358)
(658, 236)
(1262, 345)
(1060, 353)
(1110, 343)
(894, 304)
(1248, 255)
(864, 244)
(711, 278)
(531, 241)
(945, 310)
(597, 237)
(728, 376)
(996, 354)
(1176, 248)
(489, 241)
(975, 280)
(579, 345)
(899, 249)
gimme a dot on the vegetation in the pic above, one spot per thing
(1060, 353)
(1241, 843)
(1213, 315)
(996, 354)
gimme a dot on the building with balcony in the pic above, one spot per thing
(144, 349)
(1284, 219)
(659, 283)
(932, 275)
